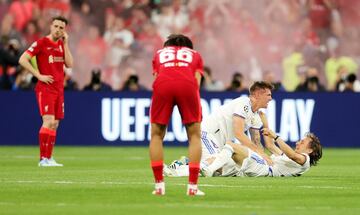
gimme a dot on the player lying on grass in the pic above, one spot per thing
(238, 160)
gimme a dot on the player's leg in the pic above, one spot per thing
(188, 102)
(250, 163)
(157, 156)
(44, 135)
(209, 148)
(51, 144)
(59, 114)
(193, 132)
(223, 157)
(240, 153)
(46, 102)
(160, 113)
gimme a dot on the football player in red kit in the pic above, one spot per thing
(52, 54)
(177, 69)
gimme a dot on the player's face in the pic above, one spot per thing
(264, 97)
(303, 145)
(57, 29)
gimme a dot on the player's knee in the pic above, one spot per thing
(55, 125)
(47, 124)
(158, 131)
(51, 124)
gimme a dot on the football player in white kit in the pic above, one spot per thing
(230, 122)
(286, 161)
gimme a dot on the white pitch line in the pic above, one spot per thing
(176, 184)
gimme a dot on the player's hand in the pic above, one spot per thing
(268, 160)
(65, 37)
(47, 79)
(263, 119)
(268, 132)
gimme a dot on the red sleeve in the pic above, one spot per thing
(34, 49)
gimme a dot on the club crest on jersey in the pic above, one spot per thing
(246, 108)
(51, 59)
(46, 108)
(60, 48)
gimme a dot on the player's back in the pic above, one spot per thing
(174, 63)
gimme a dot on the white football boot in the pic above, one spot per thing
(159, 189)
(44, 162)
(52, 162)
(193, 190)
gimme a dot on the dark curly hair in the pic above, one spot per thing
(178, 40)
(316, 147)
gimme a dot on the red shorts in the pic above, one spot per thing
(50, 103)
(181, 93)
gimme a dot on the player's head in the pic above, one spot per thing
(57, 27)
(261, 92)
(178, 40)
(310, 145)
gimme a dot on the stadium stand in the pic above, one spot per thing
(287, 39)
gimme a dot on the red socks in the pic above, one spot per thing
(43, 137)
(194, 169)
(46, 142)
(157, 167)
(51, 143)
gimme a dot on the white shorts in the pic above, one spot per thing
(210, 146)
(254, 166)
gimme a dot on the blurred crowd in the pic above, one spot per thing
(298, 45)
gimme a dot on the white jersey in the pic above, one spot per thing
(284, 166)
(220, 122)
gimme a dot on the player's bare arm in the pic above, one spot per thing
(269, 142)
(198, 77)
(24, 61)
(238, 126)
(69, 61)
(239, 131)
(297, 157)
(255, 137)
(155, 75)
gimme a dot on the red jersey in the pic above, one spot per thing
(175, 63)
(50, 58)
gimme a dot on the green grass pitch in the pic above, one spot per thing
(118, 180)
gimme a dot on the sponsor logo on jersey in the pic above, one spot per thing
(54, 59)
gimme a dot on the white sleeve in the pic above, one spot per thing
(242, 108)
